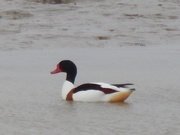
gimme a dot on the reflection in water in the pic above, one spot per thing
(123, 104)
(108, 104)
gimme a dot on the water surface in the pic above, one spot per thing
(31, 98)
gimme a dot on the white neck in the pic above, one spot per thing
(67, 87)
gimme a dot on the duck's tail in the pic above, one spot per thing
(133, 89)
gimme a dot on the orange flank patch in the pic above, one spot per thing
(120, 96)
(69, 95)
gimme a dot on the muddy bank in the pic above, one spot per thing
(103, 23)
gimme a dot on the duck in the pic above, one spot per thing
(90, 92)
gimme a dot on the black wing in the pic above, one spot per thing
(122, 85)
(91, 86)
(87, 86)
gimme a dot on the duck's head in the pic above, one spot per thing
(68, 67)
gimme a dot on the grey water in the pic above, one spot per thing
(30, 98)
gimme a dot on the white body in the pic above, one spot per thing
(67, 87)
(96, 95)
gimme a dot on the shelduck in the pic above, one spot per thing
(90, 92)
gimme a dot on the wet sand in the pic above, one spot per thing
(26, 24)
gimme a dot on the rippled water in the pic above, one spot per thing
(30, 101)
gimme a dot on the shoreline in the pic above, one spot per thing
(32, 25)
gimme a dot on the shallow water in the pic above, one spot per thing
(30, 98)
(31, 102)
